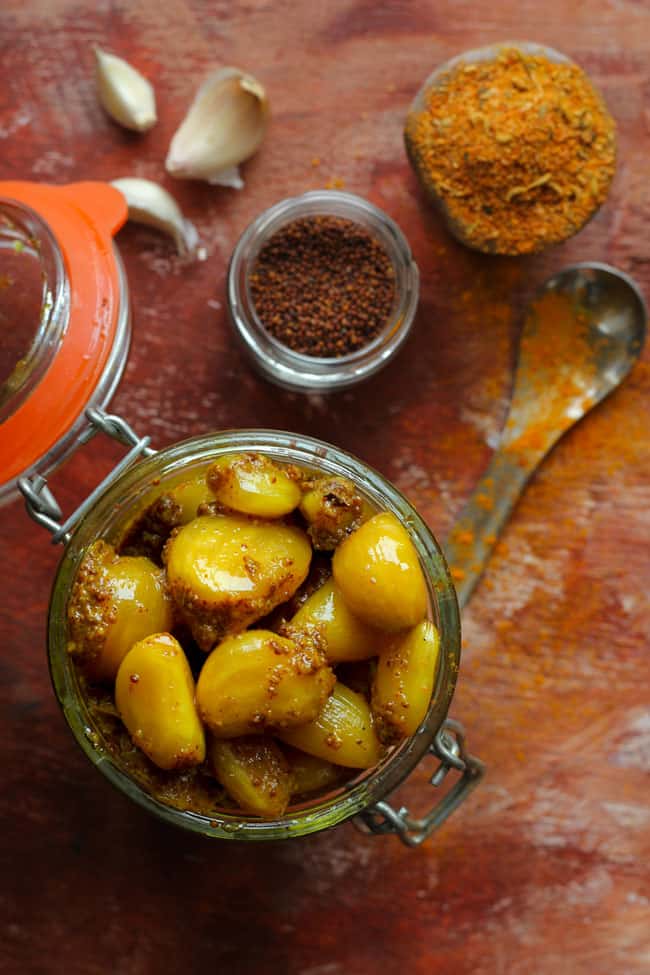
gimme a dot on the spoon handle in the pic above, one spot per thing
(479, 524)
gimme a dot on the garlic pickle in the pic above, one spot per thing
(332, 508)
(227, 571)
(254, 773)
(154, 694)
(258, 679)
(310, 774)
(253, 485)
(343, 733)
(189, 496)
(404, 681)
(265, 628)
(115, 602)
(345, 636)
(149, 531)
(378, 572)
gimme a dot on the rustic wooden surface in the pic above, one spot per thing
(545, 869)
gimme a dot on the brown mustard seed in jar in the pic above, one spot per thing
(519, 149)
(323, 286)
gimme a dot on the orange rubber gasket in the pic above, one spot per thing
(83, 218)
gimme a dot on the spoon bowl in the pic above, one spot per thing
(616, 317)
(582, 334)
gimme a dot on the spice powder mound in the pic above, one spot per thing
(323, 286)
(519, 150)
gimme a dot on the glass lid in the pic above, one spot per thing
(34, 303)
(64, 319)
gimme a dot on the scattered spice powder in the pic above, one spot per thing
(464, 537)
(485, 501)
(323, 286)
(519, 150)
(558, 365)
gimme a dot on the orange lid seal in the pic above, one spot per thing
(83, 217)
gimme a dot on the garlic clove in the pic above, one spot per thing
(228, 177)
(225, 125)
(152, 205)
(124, 93)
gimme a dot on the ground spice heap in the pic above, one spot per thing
(323, 286)
(519, 150)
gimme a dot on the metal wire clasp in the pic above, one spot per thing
(41, 504)
(449, 748)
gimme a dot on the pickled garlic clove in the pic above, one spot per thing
(253, 485)
(258, 679)
(404, 682)
(115, 602)
(224, 572)
(254, 773)
(378, 572)
(343, 733)
(154, 694)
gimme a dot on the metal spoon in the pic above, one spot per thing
(581, 336)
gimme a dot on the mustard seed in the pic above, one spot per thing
(323, 286)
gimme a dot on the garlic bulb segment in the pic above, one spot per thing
(225, 125)
(152, 205)
(125, 94)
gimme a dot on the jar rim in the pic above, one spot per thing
(365, 789)
(275, 360)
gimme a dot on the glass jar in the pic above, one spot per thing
(76, 340)
(363, 796)
(305, 373)
(56, 244)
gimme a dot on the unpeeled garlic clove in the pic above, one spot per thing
(225, 125)
(152, 205)
(125, 94)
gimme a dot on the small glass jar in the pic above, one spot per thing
(305, 373)
(366, 793)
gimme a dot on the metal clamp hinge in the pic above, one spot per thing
(41, 504)
(449, 748)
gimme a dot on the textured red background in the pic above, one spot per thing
(545, 868)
